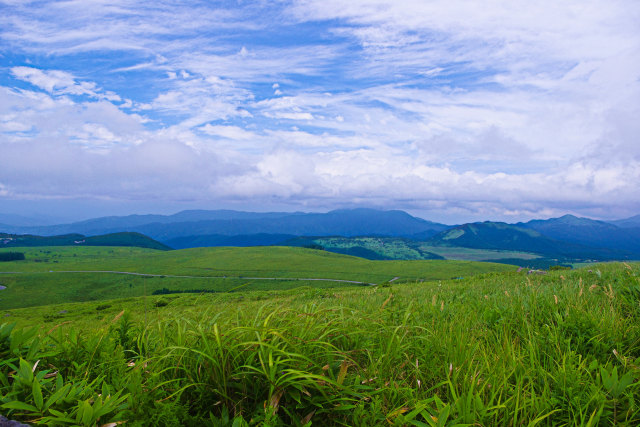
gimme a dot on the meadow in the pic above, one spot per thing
(471, 254)
(500, 348)
(400, 248)
(75, 274)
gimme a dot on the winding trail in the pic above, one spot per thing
(130, 273)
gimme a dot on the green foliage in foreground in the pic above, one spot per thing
(499, 349)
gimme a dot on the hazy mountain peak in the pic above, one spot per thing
(632, 222)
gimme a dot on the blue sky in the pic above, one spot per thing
(452, 110)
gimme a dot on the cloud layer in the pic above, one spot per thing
(454, 110)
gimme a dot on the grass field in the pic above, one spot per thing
(470, 254)
(53, 275)
(399, 248)
(388, 247)
(503, 348)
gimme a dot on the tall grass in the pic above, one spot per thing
(500, 349)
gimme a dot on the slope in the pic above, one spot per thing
(114, 239)
(73, 274)
(588, 232)
(633, 222)
(502, 236)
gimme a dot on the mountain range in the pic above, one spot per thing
(567, 237)
(507, 237)
(352, 222)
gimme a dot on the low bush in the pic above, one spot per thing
(11, 256)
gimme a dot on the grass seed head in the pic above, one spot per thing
(118, 316)
(386, 301)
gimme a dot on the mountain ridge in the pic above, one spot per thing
(564, 236)
(589, 232)
(225, 222)
(503, 236)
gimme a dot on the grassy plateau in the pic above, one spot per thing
(74, 274)
(498, 348)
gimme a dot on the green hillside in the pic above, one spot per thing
(501, 236)
(56, 275)
(113, 239)
(499, 349)
(380, 248)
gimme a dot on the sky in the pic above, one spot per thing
(453, 110)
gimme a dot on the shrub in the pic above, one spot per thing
(559, 267)
(11, 256)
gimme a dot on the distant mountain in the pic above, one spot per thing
(564, 237)
(353, 222)
(12, 220)
(633, 222)
(588, 232)
(502, 236)
(372, 248)
(115, 239)
(112, 224)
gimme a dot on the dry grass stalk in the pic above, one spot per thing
(386, 302)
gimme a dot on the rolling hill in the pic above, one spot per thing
(113, 239)
(373, 248)
(242, 240)
(73, 274)
(502, 236)
(400, 354)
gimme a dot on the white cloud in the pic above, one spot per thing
(459, 106)
(26, 115)
(290, 115)
(61, 83)
(229, 132)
